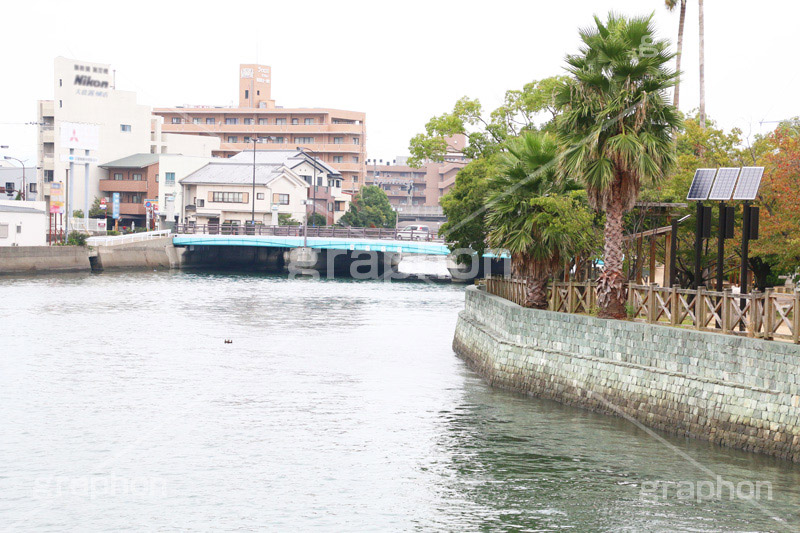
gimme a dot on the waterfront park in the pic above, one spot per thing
(623, 354)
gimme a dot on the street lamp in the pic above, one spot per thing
(314, 183)
(22, 194)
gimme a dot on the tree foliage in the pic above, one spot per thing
(519, 112)
(370, 208)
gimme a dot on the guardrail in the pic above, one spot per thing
(311, 231)
(771, 315)
(127, 239)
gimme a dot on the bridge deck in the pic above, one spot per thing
(320, 243)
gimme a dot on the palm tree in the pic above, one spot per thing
(530, 216)
(702, 64)
(616, 128)
(671, 4)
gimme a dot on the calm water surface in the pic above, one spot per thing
(338, 406)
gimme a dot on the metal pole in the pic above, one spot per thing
(673, 252)
(745, 251)
(698, 248)
(253, 214)
(86, 194)
(69, 194)
(721, 246)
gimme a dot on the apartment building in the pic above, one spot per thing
(424, 186)
(86, 100)
(336, 137)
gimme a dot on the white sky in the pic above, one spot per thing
(400, 62)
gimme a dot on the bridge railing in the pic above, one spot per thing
(311, 231)
(127, 239)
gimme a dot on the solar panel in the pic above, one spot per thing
(749, 182)
(724, 184)
(701, 184)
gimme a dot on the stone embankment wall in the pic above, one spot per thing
(42, 259)
(150, 254)
(734, 391)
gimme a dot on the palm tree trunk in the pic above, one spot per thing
(611, 283)
(681, 21)
(536, 292)
(702, 66)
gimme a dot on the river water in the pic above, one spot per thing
(336, 406)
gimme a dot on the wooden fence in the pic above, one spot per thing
(766, 315)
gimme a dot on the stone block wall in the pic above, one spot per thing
(734, 391)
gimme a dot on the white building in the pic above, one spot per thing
(23, 223)
(84, 94)
(222, 191)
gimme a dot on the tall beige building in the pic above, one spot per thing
(336, 137)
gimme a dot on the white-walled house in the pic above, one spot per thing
(23, 223)
(221, 192)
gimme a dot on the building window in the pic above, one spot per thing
(355, 159)
(263, 121)
(156, 178)
(260, 196)
(280, 121)
(118, 176)
(330, 206)
(337, 159)
(137, 177)
(231, 121)
(281, 199)
(201, 202)
(278, 140)
(246, 94)
(304, 140)
(209, 121)
(356, 140)
(228, 197)
(195, 120)
(247, 139)
(136, 198)
(338, 140)
(176, 120)
(3, 231)
(233, 139)
(295, 121)
(248, 121)
(125, 128)
(308, 121)
(169, 178)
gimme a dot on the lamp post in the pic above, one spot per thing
(314, 183)
(22, 194)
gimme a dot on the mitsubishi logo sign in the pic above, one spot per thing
(80, 136)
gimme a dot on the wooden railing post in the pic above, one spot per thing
(726, 311)
(553, 292)
(796, 317)
(651, 303)
(700, 308)
(769, 314)
(753, 319)
(675, 305)
(570, 297)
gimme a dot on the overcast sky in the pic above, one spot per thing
(400, 62)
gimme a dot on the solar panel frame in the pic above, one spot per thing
(749, 183)
(724, 184)
(701, 184)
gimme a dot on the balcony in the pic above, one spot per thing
(46, 108)
(127, 208)
(263, 129)
(287, 145)
(47, 134)
(123, 185)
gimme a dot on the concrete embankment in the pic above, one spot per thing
(43, 259)
(733, 391)
(150, 254)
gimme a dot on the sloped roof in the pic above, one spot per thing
(132, 161)
(20, 209)
(290, 158)
(235, 173)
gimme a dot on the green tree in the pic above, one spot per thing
(531, 216)
(616, 127)
(464, 207)
(370, 208)
(316, 219)
(285, 219)
(519, 112)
